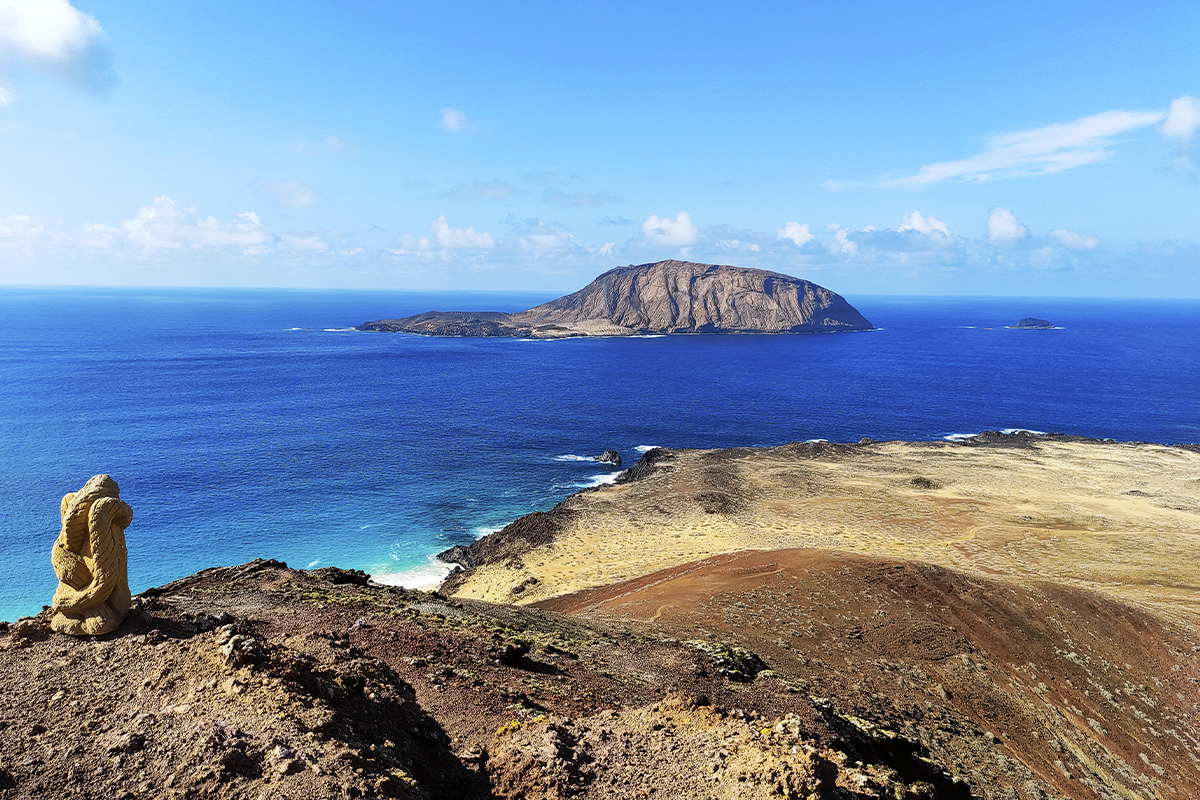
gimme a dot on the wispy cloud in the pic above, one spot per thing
(1053, 148)
(1074, 241)
(55, 37)
(481, 190)
(453, 120)
(293, 194)
(578, 199)
(296, 244)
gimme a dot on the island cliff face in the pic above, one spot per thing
(664, 297)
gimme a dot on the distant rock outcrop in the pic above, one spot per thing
(610, 457)
(665, 297)
(1033, 322)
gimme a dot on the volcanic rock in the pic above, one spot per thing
(1034, 323)
(664, 297)
(610, 457)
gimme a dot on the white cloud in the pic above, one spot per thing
(19, 230)
(289, 193)
(1039, 151)
(310, 244)
(165, 225)
(927, 225)
(6, 97)
(99, 234)
(1183, 118)
(668, 231)
(841, 240)
(54, 36)
(441, 235)
(796, 233)
(481, 190)
(453, 120)
(1003, 228)
(1075, 241)
(539, 239)
(578, 199)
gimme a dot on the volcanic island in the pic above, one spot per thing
(664, 297)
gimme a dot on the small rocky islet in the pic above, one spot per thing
(1033, 323)
(659, 298)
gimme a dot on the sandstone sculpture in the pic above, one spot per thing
(89, 559)
(664, 297)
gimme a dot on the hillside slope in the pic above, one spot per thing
(664, 297)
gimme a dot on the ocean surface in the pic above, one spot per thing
(243, 424)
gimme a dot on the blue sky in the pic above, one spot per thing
(893, 148)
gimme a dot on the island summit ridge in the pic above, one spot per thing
(663, 297)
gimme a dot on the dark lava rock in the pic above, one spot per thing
(609, 457)
(1033, 323)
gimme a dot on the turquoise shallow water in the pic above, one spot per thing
(253, 423)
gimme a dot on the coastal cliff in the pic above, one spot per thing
(664, 297)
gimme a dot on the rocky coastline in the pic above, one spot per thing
(1012, 615)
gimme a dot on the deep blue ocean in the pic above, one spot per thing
(243, 424)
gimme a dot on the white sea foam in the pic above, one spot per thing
(815, 441)
(591, 482)
(962, 437)
(643, 448)
(481, 531)
(648, 336)
(601, 480)
(313, 563)
(569, 457)
(427, 576)
(337, 330)
(295, 329)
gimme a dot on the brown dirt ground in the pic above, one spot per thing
(264, 682)
(1063, 688)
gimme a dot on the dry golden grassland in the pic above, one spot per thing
(1119, 518)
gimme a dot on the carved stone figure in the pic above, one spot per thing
(89, 558)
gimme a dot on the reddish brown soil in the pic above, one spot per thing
(264, 682)
(1023, 688)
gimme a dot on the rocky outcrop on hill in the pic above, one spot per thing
(664, 297)
(801, 674)
(1034, 323)
(262, 681)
